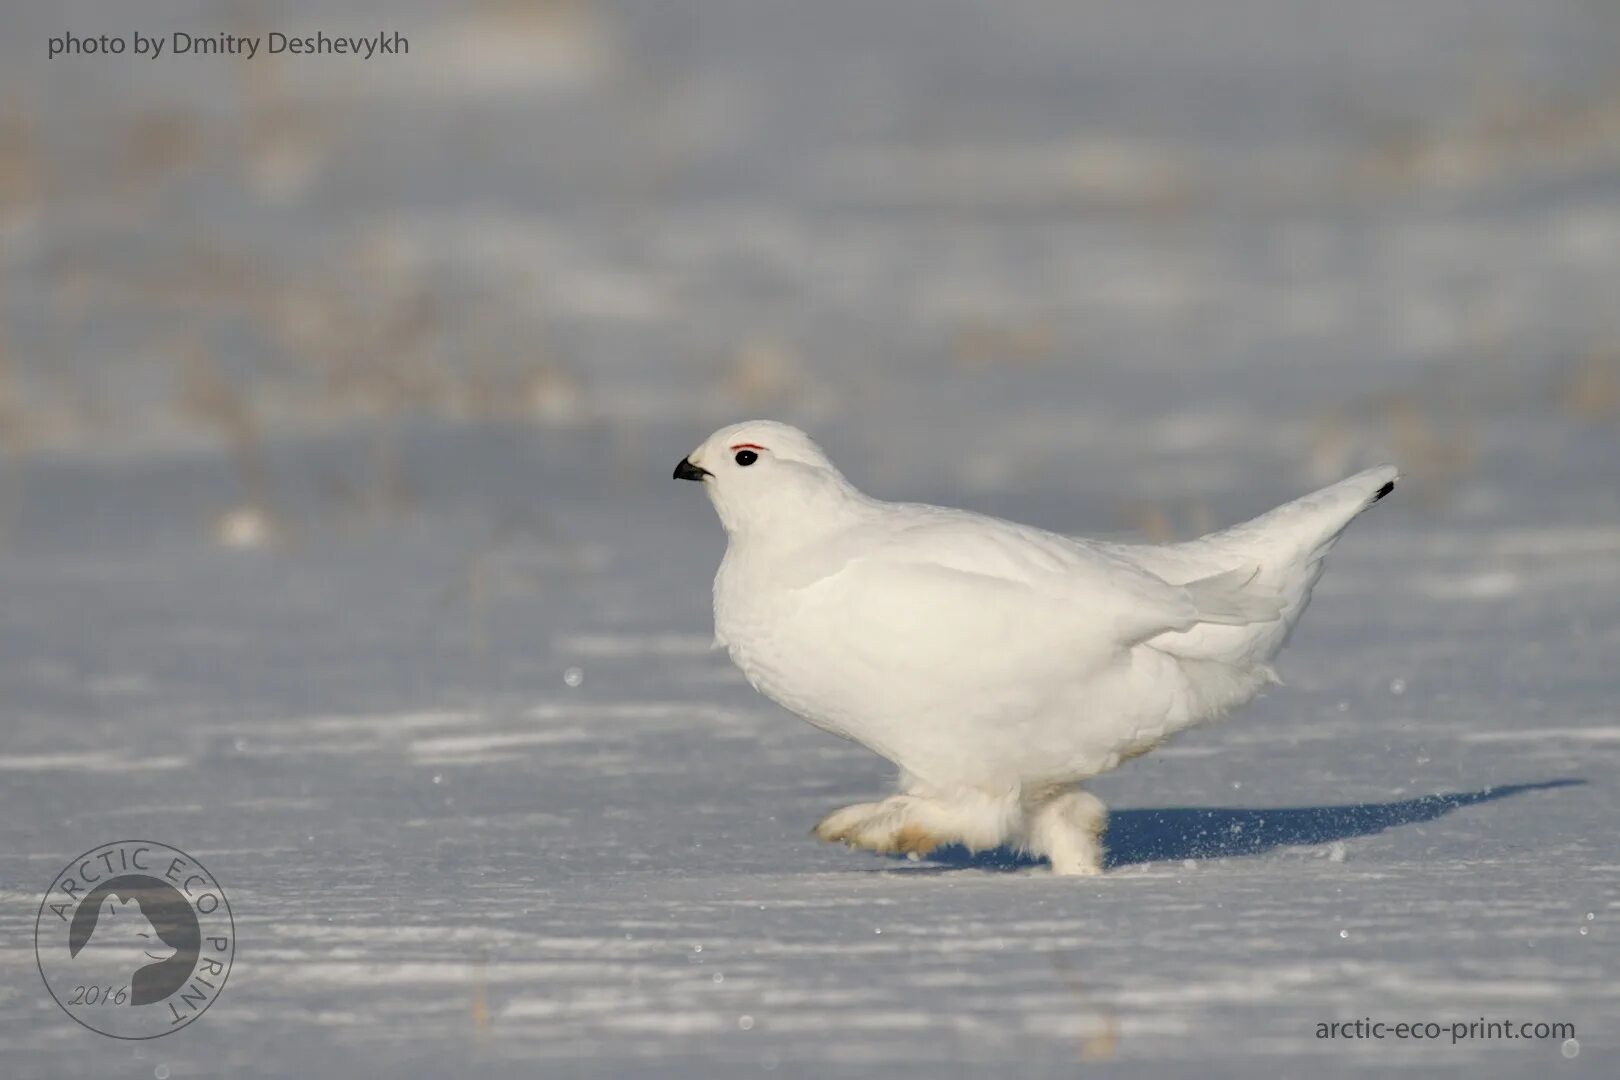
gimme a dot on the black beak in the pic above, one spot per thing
(688, 471)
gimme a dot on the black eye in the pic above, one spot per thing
(746, 457)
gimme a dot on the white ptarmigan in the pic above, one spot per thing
(998, 665)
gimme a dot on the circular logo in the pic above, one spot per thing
(135, 939)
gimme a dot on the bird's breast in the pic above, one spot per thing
(775, 640)
(753, 619)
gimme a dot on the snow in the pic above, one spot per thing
(415, 656)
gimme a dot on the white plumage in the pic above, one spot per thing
(998, 665)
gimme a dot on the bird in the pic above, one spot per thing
(997, 665)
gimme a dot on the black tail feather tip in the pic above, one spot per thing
(1388, 487)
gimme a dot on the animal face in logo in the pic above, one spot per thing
(123, 926)
(141, 927)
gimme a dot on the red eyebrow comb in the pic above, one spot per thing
(747, 446)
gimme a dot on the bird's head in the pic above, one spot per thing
(768, 478)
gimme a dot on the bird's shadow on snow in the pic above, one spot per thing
(1174, 834)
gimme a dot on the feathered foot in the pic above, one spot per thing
(923, 819)
(894, 826)
(1068, 831)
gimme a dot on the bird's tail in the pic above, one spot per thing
(1276, 560)
(1302, 531)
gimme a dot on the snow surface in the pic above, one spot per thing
(436, 705)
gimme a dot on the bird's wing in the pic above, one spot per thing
(962, 568)
(936, 630)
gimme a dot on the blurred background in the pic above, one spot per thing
(1004, 244)
(338, 403)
